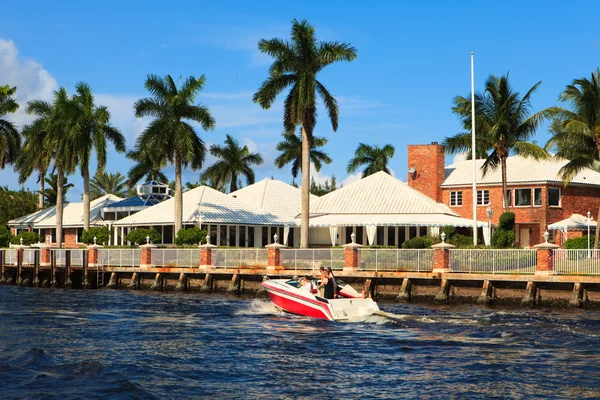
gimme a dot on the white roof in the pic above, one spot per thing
(575, 222)
(379, 193)
(275, 197)
(72, 214)
(203, 205)
(390, 220)
(518, 170)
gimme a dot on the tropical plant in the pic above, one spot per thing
(15, 204)
(577, 243)
(59, 120)
(503, 126)
(104, 183)
(92, 131)
(139, 236)
(291, 152)
(296, 64)
(101, 233)
(10, 140)
(576, 131)
(51, 192)
(29, 238)
(191, 236)
(169, 136)
(504, 235)
(374, 158)
(319, 189)
(148, 166)
(5, 236)
(232, 162)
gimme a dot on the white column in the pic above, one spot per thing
(122, 235)
(396, 236)
(385, 235)
(227, 235)
(257, 236)
(219, 235)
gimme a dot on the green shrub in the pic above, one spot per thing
(423, 242)
(191, 236)
(101, 233)
(461, 241)
(450, 231)
(139, 236)
(504, 235)
(5, 236)
(579, 243)
(507, 221)
(29, 238)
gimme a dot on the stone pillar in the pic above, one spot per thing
(206, 253)
(545, 259)
(351, 262)
(274, 255)
(146, 255)
(45, 255)
(93, 255)
(441, 257)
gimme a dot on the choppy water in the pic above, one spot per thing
(124, 344)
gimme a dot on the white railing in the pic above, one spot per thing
(10, 256)
(189, 258)
(312, 259)
(236, 258)
(120, 257)
(576, 262)
(61, 256)
(414, 260)
(29, 256)
(494, 261)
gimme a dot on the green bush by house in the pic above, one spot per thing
(139, 236)
(504, 236)
(5, 236)
(579, 243)
(191, 236)
(101, 234)
(29, 238)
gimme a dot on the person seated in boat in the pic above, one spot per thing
(332, 278)
(306, 284)
(322, 281)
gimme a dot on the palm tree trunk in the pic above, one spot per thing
(304, 210)
(505, 187)
(59, 207)
(178, 195)
(41, 176)
(233, 185)
(85, 172)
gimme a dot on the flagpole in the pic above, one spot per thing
(473, 152)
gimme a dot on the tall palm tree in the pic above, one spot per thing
(296, 65)
(104, 183)
(92, 132)
(576, 131)
(169, 135)
(59, 120)
(34, 156)
(10, 140)
(291, 152)
(374, 158)
(233, 161)
(147, 166)
(50, 194)
(503, 126)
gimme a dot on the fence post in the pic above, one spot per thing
(274, 255)
(19, 253)
(146, 255)
(206, 253)
(441, 257)
(545, 259)
(351, 255)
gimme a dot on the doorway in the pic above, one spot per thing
(524, 237)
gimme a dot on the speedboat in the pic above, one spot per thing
(289, 296)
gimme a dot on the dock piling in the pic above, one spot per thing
(530, 295)
(444, 292)
(404, 295)
(487, 292)
(181, 283)
(158, 282)
(578, 296)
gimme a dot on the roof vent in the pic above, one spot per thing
(434, 142)
(235, 196)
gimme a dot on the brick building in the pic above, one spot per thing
(537, 195)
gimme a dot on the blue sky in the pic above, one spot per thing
(412, 59)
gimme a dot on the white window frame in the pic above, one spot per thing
(483, 197)
(514, 200)
(541, 197)
(559, 197)
(454, 196)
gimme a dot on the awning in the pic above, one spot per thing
(575, 222)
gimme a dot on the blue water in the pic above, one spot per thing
(63, 344)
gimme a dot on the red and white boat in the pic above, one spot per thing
(289, 296)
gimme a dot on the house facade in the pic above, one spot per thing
(536, 192)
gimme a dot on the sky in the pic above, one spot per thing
(413, 58)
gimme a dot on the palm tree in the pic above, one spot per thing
(576, 131)
(374, 158)
(93, 130)
(59, 120)
(10, 140)
(169, 136)
(34, 156)
(503, 126)
(232, 162)
(50, 193)
(104, 183)
(296, 64)
(291, 152)
(147, 166)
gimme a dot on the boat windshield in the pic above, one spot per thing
(293, 283)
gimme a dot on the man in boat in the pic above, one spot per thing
(306, 284)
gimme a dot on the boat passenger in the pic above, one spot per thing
(332, 278)
(323, 281)
(306, 285)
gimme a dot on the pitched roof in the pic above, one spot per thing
(203, 205)
(72, 214)
(379, 193)
(519, 169)
(275, 197)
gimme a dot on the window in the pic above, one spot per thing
(79, 234)
(483, 197)
(391, 235)
(455, 199)
(522, 197)
(380, 235)
(537, 196)
(422, 231)
(554, 197)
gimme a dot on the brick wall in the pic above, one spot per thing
(428, 161)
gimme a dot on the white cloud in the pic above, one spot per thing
(31, 79)
(460, 157)
(352, 178)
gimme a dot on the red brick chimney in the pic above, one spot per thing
(426, 169)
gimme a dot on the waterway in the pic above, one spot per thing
(63, 344)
